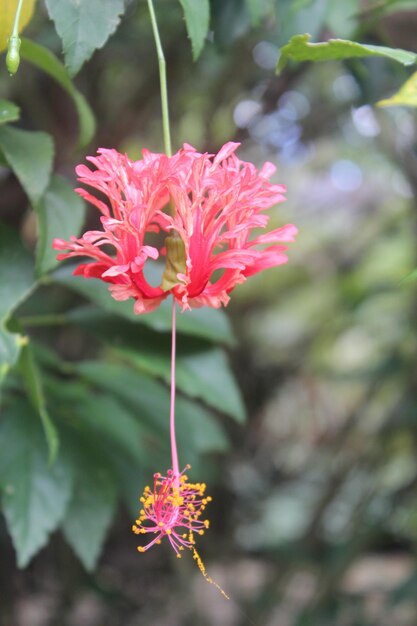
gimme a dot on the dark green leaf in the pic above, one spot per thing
(9, 112)
(35, 494)
(29, 154)
(201, 371)
(16, 282)
(299, 48)
(16, 272)
(32, 378)
(130, 478)
(109, 418)
(91, 508)
(197, 19)
(109, 427)
(60, 214)
(84, 26)
(45, 60)
(196, 427)
(207, 323)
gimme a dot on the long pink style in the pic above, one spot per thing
(174, 452)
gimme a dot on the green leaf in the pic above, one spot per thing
(107, 417)
(16, 282)
(31, 375)
(35, 494)
(405, 96)
(206, 374)
(84, 26)
(197, 19)
(300, 49)
(201, 374)
(16, 272)
(124, 469)
(207, 323)
(45, 60)
(9, 112)
(92, 506)
(60, 214)
(10, 346)
(202, 371)
(197, 430)
(29, 154)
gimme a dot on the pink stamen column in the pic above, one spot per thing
(174, 452)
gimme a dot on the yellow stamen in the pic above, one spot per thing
(208, 578)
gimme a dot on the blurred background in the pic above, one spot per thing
(314, 518)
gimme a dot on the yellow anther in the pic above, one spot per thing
(140, 549)
(202, 569)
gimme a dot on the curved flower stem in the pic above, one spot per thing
(15, 32)
(174, 452)
(162, 80)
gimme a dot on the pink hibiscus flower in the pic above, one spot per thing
(173, 509)
(215, 203)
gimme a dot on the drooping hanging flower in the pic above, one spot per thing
(206, 205)
(174, 509)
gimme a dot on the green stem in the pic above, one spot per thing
(162, 80)
(15, 32)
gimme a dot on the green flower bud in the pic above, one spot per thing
(13, 56)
